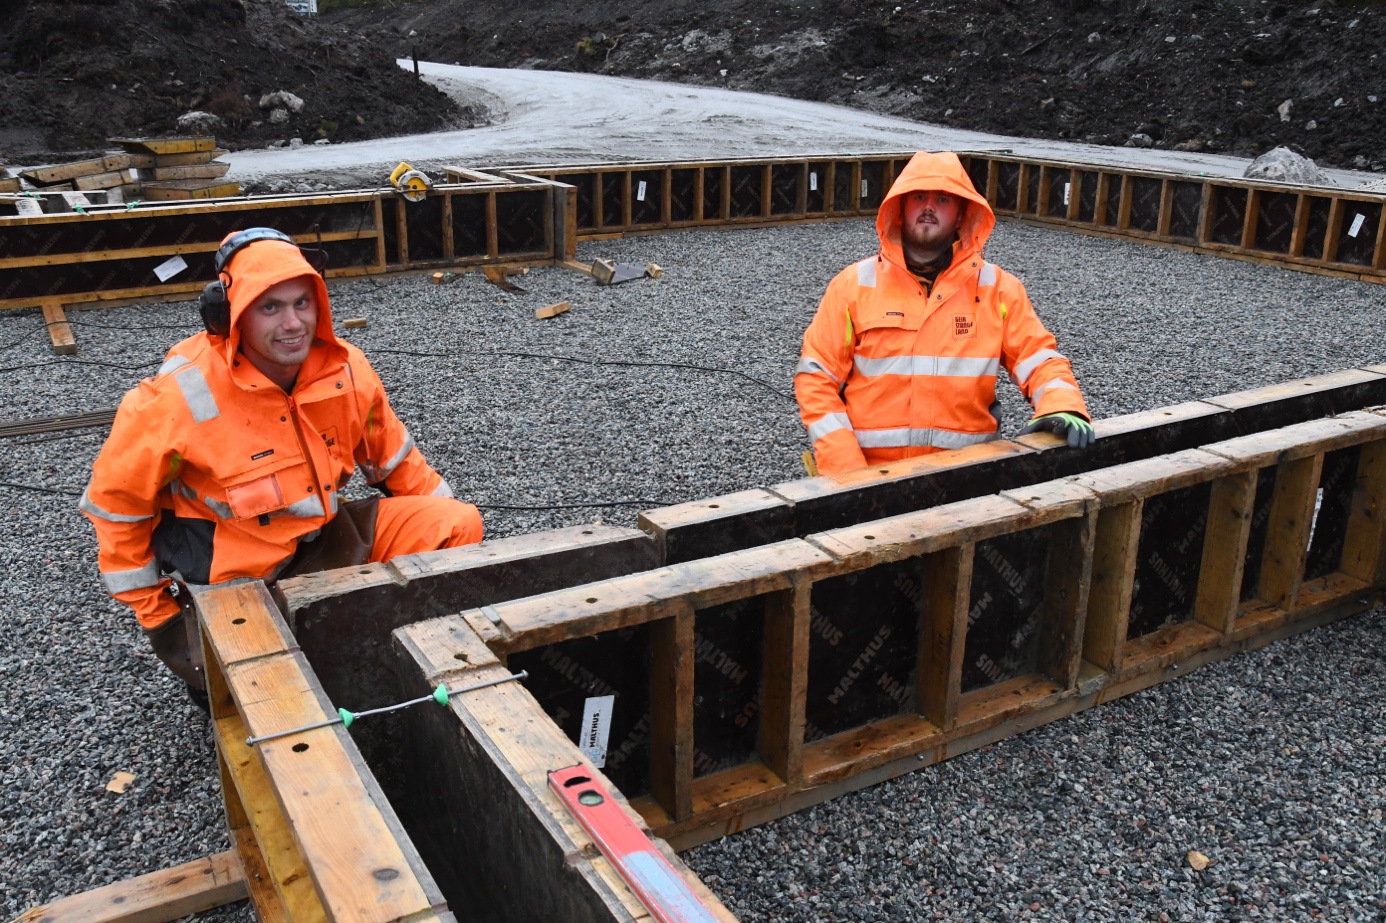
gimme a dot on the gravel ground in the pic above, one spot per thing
(82, 697)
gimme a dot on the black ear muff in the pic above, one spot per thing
(215, 308)
(317, 258)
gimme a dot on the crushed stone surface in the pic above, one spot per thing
(1279, 751)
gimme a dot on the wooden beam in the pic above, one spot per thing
(784, 682)
(1067, 586)
(1224, 551)
(943, 632)
(158, 897)
(1364, 546)
(1113, 578)
(671, 712)
(59, 330)
(1287, 538)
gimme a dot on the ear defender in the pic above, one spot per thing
(214, 304)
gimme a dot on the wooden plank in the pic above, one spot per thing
(163, 146)
(263, 897)
(1067, 586)
(671, 712)
(900, 537)
(57, 173)
(1253, 211)
(1166, 208)
(234, 623)
(1379, 253)
(1124, 204)
(1364, 546)
(189, 189)
(103, 180)
(1113, 579)
(1162, 474)
(274, 839)
(784, 683)
(1301, 440)
(179, 160)
(1287, 537)
(1335, 227)
(717, 525)
(1301, 228)
(59, 330)
(943, 632)
(1230, 507)
(158, 897)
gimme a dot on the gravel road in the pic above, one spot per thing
(1267, 763)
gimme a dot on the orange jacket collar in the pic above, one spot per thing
(944, 172)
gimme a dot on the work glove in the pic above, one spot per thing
(1078, 431)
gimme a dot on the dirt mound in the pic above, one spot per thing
(1212, 75)
(74, 73)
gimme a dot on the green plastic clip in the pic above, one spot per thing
(440, 695)
(129, 206)
(346, 716)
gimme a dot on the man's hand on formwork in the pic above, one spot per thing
(1075, 429)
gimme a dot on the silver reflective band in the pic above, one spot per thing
(811, 366)
(121, 581)
(950, 366)
(830, 423)
(866, 273)
(199, 397)
(171, 364)
(1057, 384)
(332, 497)
(987, 276)
(386, 469)
(307, 508)
(1026, 368)
(216, 506)
(906, 437)
(442, 490)
(87, 506)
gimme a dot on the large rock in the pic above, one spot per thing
(281, 99)
(1282, 165)
(199, 123)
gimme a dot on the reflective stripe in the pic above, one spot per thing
(121, 581)
(866, 273)
(87, 506)
(193, 384)
(811, 366)
(386, 469)
(442, 490)
(172, 364)
(333, 502)
(180, 489)
(221, 509)
(307, 508)
(987, 275)
(829, 423)
(950, 366)
(1058, 384)
(906, 437)
(1024, 369)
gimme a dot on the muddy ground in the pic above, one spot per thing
(76, 72)
(1210, 75)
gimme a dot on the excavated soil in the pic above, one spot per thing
(76, 72)
(1211, 75)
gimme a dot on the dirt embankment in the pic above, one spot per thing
(1212, 75)
(75, 72)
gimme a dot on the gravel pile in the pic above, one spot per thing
(81, 696)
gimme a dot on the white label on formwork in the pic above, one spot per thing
(864, 187)
(640, 192)
(1066, 188)
(170, 268)
(1356, 225)
(813, 182)
(596, 728)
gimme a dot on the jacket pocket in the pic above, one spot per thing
(255, 498)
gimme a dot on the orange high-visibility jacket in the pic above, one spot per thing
(891, 371)
(213, 442)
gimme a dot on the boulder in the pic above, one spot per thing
(1282, 165)
(197, 122)
(281, 99)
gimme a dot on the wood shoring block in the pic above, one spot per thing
(1287, 536)
(1364, 546)
(671, 711)
(943, 632)
(157, 897)
(1300, 440)
(163, 146)
(1113, 579)
(59, 330)
(1230, 506)
(1301, 228)
(784, 683)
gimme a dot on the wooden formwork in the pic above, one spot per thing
(753, 684)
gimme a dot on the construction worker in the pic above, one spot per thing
(902, 357)
(228, 462)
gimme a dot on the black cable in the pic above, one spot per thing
(617, 362)
(41, 489)
(97, 362)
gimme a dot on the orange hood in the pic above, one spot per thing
(258, 267)
(928, 172)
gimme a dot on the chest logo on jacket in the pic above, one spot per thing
(964, 325)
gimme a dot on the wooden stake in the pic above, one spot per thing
(158, 897)
(59, 331)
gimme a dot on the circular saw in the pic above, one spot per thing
(412, 184)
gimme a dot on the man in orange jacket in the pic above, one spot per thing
(902, 357)
(228, 462)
